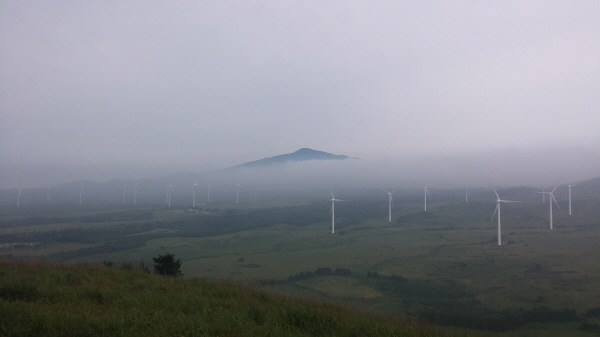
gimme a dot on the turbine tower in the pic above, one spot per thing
(466, 194)
(208, 195)
(390, 202)
(551, 198)
(169, 189)
(123, 193)
(570, 185)
(543, 194)
(48, 195)
(498, 202)
(80, 194)
(333, 200)
(425, 193)
(134, 194)
(19, 195)
(194, 195)
(237, 193)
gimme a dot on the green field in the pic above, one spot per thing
(443, 266)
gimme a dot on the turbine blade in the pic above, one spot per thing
(495, 210)
(497, 196)
(553, 198)
(558, 182)
(393, 191)
(331, 193)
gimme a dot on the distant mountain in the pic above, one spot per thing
(303, 154)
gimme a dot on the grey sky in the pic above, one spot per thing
(103, 89)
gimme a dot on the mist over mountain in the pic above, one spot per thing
(313, 168)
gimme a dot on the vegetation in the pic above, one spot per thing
(448, 303)
(167, 265)
(96, 300)
(452, 271)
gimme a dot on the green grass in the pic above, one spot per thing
(93, 300)
(455, 242)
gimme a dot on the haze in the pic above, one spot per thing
(444, 91)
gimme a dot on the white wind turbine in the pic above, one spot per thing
(208, 195)
(333, 200)
(48, 195)
(169, 189)
(237, 193)
(123, 192)
(551, 198)
(134, 194)
(80, 194)
(390, 202)
(19, 195)
(466, 194)
(570, 185)
(194, 195)
(426, 193)
(543, 194)
(498, 202)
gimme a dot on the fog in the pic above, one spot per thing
(450, 94)
(511, 167)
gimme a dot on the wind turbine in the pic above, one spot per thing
(498, 202)
(570, 185)
(208, 197)
(80, 194)
(48, 195)
(134, 194)
(552, 198)
(169, 189)
(425, 193)
(19, 195)
(124, 193)
(194, 195)
(543, 194)
(237, 193)
(390, 202)
(466, 194)
(333, 200)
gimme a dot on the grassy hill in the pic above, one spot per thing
(96, 300)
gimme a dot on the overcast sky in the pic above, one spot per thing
(129, 89)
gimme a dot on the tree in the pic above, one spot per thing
(324, 271)
(167, 265)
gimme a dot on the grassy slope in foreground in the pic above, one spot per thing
(93, 300)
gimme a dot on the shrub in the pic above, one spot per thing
(324, 271)
(167, 265)
(594, 312)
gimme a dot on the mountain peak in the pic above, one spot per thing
(302, 154)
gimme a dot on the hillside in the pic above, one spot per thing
(94, 300)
